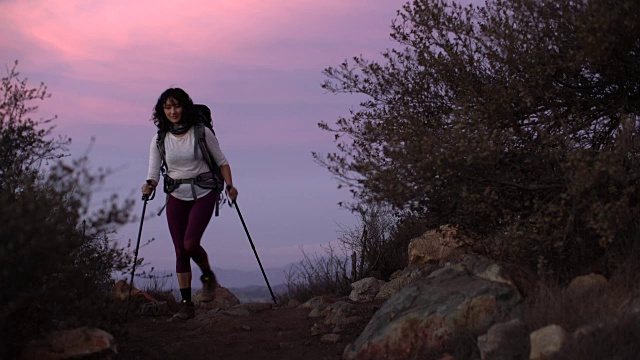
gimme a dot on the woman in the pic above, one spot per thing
(189, 208)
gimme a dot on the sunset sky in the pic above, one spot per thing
(256, 63)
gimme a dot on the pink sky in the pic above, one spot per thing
(256, 63)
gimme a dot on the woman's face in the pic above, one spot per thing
(173, 110)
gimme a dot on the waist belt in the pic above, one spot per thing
(204, 180)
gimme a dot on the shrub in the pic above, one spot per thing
(378, 243)
(317, 275)
(516, 120)
(56, 257)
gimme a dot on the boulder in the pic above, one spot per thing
(365, 290)
(402, 278)
(224, 299)
(80, 343)
(292, 304)
(587, 282)
(422, 316)
(436, 245)
(314, 302)
(338, 312)
(505, 341)
(392, 287)
(546, 341)
(479, 267)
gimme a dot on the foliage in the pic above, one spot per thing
(517, 120)
(378, 242)
(375, 247)
(367, 240)
(605, 316)
(317, 275)
(56, 257)
(24, 143)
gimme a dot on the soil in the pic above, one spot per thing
(279, 333)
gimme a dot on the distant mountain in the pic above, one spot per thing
(258, 293)
(229, 278)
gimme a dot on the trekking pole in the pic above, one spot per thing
(145, 198)
(255, 252)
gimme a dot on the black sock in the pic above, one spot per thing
(186, 294)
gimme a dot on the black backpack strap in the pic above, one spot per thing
(208, 158)
(164, 206)
(163, 153)
(163, 165)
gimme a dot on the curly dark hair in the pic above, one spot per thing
(188, 110)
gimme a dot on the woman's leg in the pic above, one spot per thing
(178, 220)
(199, 218)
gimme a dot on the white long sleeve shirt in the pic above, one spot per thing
(181, 161)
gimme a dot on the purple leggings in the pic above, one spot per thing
(187, 221)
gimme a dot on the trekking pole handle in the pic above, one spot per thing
(153, 194)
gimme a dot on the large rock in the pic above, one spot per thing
(80, 343)
(423, 316)
(505, 341)
(224, 299)
(402, 278)
(316, 301)
(546, 341)
(365, 290)
(435, 245)
(479, 267)
(587, 282)
(392, 287)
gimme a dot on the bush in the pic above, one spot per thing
(375, 247)
(317, 275)
(604, 316)
(378, 243)
(56, 258)
(516, 120)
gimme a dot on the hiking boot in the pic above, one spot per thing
(209, 284)
(187, 311)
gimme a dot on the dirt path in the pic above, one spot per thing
(279, 333)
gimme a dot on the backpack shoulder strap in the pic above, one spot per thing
(163, 154)
(202, 143)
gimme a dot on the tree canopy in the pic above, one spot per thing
(516, 120)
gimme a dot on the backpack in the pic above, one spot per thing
(212, 180)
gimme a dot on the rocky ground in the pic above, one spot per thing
(276, 333)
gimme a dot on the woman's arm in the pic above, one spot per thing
(231, 190)
(153, 171)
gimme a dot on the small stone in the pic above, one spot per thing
(587, 282)
(317, 329)
(246, 328)
(330, 338)
(546, 341)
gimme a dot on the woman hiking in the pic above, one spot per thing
(192, 195)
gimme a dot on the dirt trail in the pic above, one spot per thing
(279, 333)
